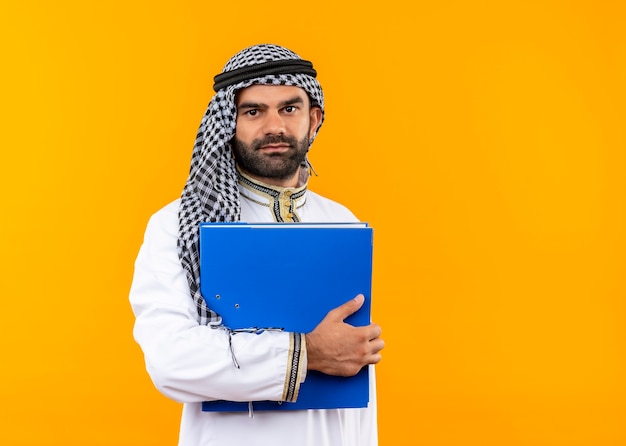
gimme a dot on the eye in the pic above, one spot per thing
(290, 109)
(252, 112)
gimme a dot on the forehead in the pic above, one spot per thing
(270, 94)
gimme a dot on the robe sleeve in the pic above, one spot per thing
(189, 362)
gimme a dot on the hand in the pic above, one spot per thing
(337, 348)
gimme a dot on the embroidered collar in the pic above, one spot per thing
(283, 202)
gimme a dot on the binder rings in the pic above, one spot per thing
(288, 276)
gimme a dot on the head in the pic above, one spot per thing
(244, 74)
(213, 177)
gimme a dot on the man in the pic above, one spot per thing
(249, 163)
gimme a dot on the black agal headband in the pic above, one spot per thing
(289, 66)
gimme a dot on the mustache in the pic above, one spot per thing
(274, 139)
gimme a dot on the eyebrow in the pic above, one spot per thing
(292, 101)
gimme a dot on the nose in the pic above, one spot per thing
(274, 124)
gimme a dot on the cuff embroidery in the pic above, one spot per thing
(297, 353)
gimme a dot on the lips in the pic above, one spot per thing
(275, 147)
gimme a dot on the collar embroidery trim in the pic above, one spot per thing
(283, 202)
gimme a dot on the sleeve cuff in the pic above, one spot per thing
(296, 367)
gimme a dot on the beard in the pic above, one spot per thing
(277, 166)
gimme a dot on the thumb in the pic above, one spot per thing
(350, 307)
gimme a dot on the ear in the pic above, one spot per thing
(316, 120)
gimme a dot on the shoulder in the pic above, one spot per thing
(170, 209)
(164, 222)
(325, 209)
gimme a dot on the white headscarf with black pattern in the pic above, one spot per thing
(211, 193)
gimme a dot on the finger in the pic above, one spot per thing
(376, 345)
(375, 331)
(375, 358)
(350, 307)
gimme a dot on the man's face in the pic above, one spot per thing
(273, 129)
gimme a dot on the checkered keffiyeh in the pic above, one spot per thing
(211, 193)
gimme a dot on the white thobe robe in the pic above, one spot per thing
(191, 363)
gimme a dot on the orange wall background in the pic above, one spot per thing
(484, 141)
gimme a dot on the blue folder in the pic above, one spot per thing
(288, 276)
